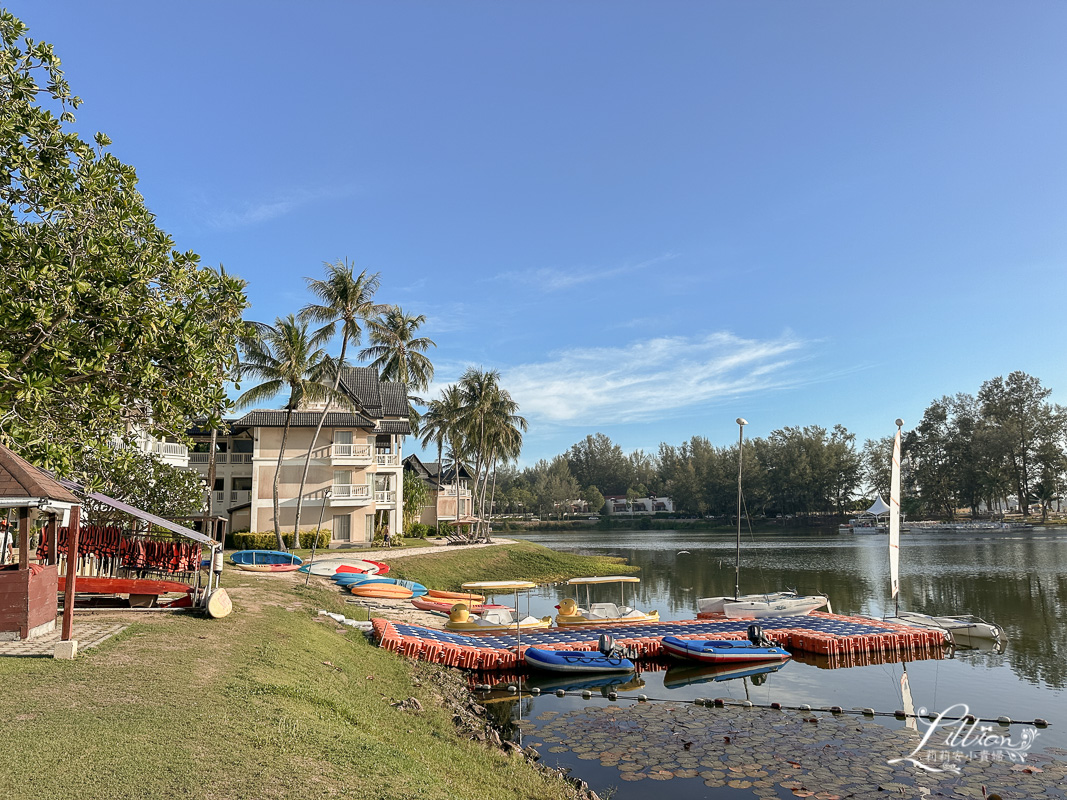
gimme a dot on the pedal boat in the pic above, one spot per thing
(497, 620)
(572, 615)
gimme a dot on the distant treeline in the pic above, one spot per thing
(976, 452)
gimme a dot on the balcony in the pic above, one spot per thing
(198, 458)
(450, 491)
(385, 498)
(218, 497)
(388, 459)
(358, 494)
(170, 450)
(351, 454)
(241, 496)
(240, 458)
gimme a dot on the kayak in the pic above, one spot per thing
(721, 651)
(575, 661)
(331, 566)
(391, 591)
(88, 585)
(466, 597)
(414, 589)
(429, 603)
(266, 561)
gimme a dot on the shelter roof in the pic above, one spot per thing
(878, 508)
(19, 478)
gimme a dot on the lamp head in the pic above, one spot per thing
(742, 421)
(900, 423)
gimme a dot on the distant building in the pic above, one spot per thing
(618, 504)
(449, 490)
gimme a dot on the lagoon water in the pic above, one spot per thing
(1018, 581)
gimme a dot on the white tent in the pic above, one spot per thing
(878, 508)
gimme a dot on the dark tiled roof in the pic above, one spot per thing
(362, 384)
(196, 427)
(394, 399)
(394, 426)
(20, 478)
(414, 463)
(434, 468)
(275, 418)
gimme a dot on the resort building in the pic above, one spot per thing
(355, 477)
(449, 490)
(618, 504)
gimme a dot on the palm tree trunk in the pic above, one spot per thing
(311, 447)
(483, 526)
(437, 494)
(492, 499)
(277, 475)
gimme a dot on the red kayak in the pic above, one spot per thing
(444, 606)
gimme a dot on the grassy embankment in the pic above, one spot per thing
(273, 702)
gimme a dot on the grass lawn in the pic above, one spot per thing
(272, 702)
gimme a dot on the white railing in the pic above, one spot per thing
(241, 496)
(359, 451)
(451, 492)
(351, 491)
(388, 460)
(219, 497)
(385, 497)
(198, 458)
(170, 449)
(240, 458)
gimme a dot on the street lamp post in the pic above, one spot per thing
(741, 423)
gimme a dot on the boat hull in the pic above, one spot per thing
(565, 621)
(954, 626)
(528, 624)
(89, 585)
(388, 591)
(266, 561)
(784, 607)
(725, 651)
(575, 661)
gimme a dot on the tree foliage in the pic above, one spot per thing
(104, 324)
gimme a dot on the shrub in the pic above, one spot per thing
(417, 531)
(268, 541)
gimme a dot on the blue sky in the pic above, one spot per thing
(650, 217)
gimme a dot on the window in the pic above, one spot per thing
(342, 437)
(242, 445)
(342, 528)
(220, 484)
(242, 484)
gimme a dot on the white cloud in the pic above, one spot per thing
(552, 280)
(646, 380)
(247, 214)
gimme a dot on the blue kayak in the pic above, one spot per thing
(576, 661)
(721, 651)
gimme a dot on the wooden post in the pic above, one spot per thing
(72, 568)
(24, 538)
(53, 539)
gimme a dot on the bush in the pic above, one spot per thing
(268, 541)
(417, 531)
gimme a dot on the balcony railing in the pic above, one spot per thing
(198, 458)
(218, 497)
(387, 497)
(388, 460)
(170, 449)
(351, 491)
(450, 491)
(240, 458)
(359, 452)
(241, 496)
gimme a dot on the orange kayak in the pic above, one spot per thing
(384, 590)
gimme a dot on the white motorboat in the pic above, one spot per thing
(773, 604)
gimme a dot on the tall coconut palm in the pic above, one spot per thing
(285, 355)
(505, 442)
(346, 300)
(439, 425)
(399, 355)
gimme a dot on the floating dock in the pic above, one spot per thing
(845, 641)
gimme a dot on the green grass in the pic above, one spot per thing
(272, 703)
(520, 561)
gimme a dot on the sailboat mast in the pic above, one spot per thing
(741, 423)
(894, 522)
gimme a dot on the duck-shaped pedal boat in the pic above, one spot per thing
(570, 614)
(491, 619)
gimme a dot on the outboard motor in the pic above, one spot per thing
(755, 635)
(606, 645)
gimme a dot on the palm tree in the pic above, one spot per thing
(347, 299)
(439, 425)
(399, 355)
(285, 355)
(505, 437)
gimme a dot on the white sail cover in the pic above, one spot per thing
(894, 519)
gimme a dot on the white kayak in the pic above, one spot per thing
(773, 607)
(327, 567)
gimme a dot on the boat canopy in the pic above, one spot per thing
(503, 586)
(878, 508)
(604, 579)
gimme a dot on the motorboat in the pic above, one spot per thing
(571, 614)
(756, 647)
(585, 661)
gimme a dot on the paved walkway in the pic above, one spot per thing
(390, 553)
(87, 634)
